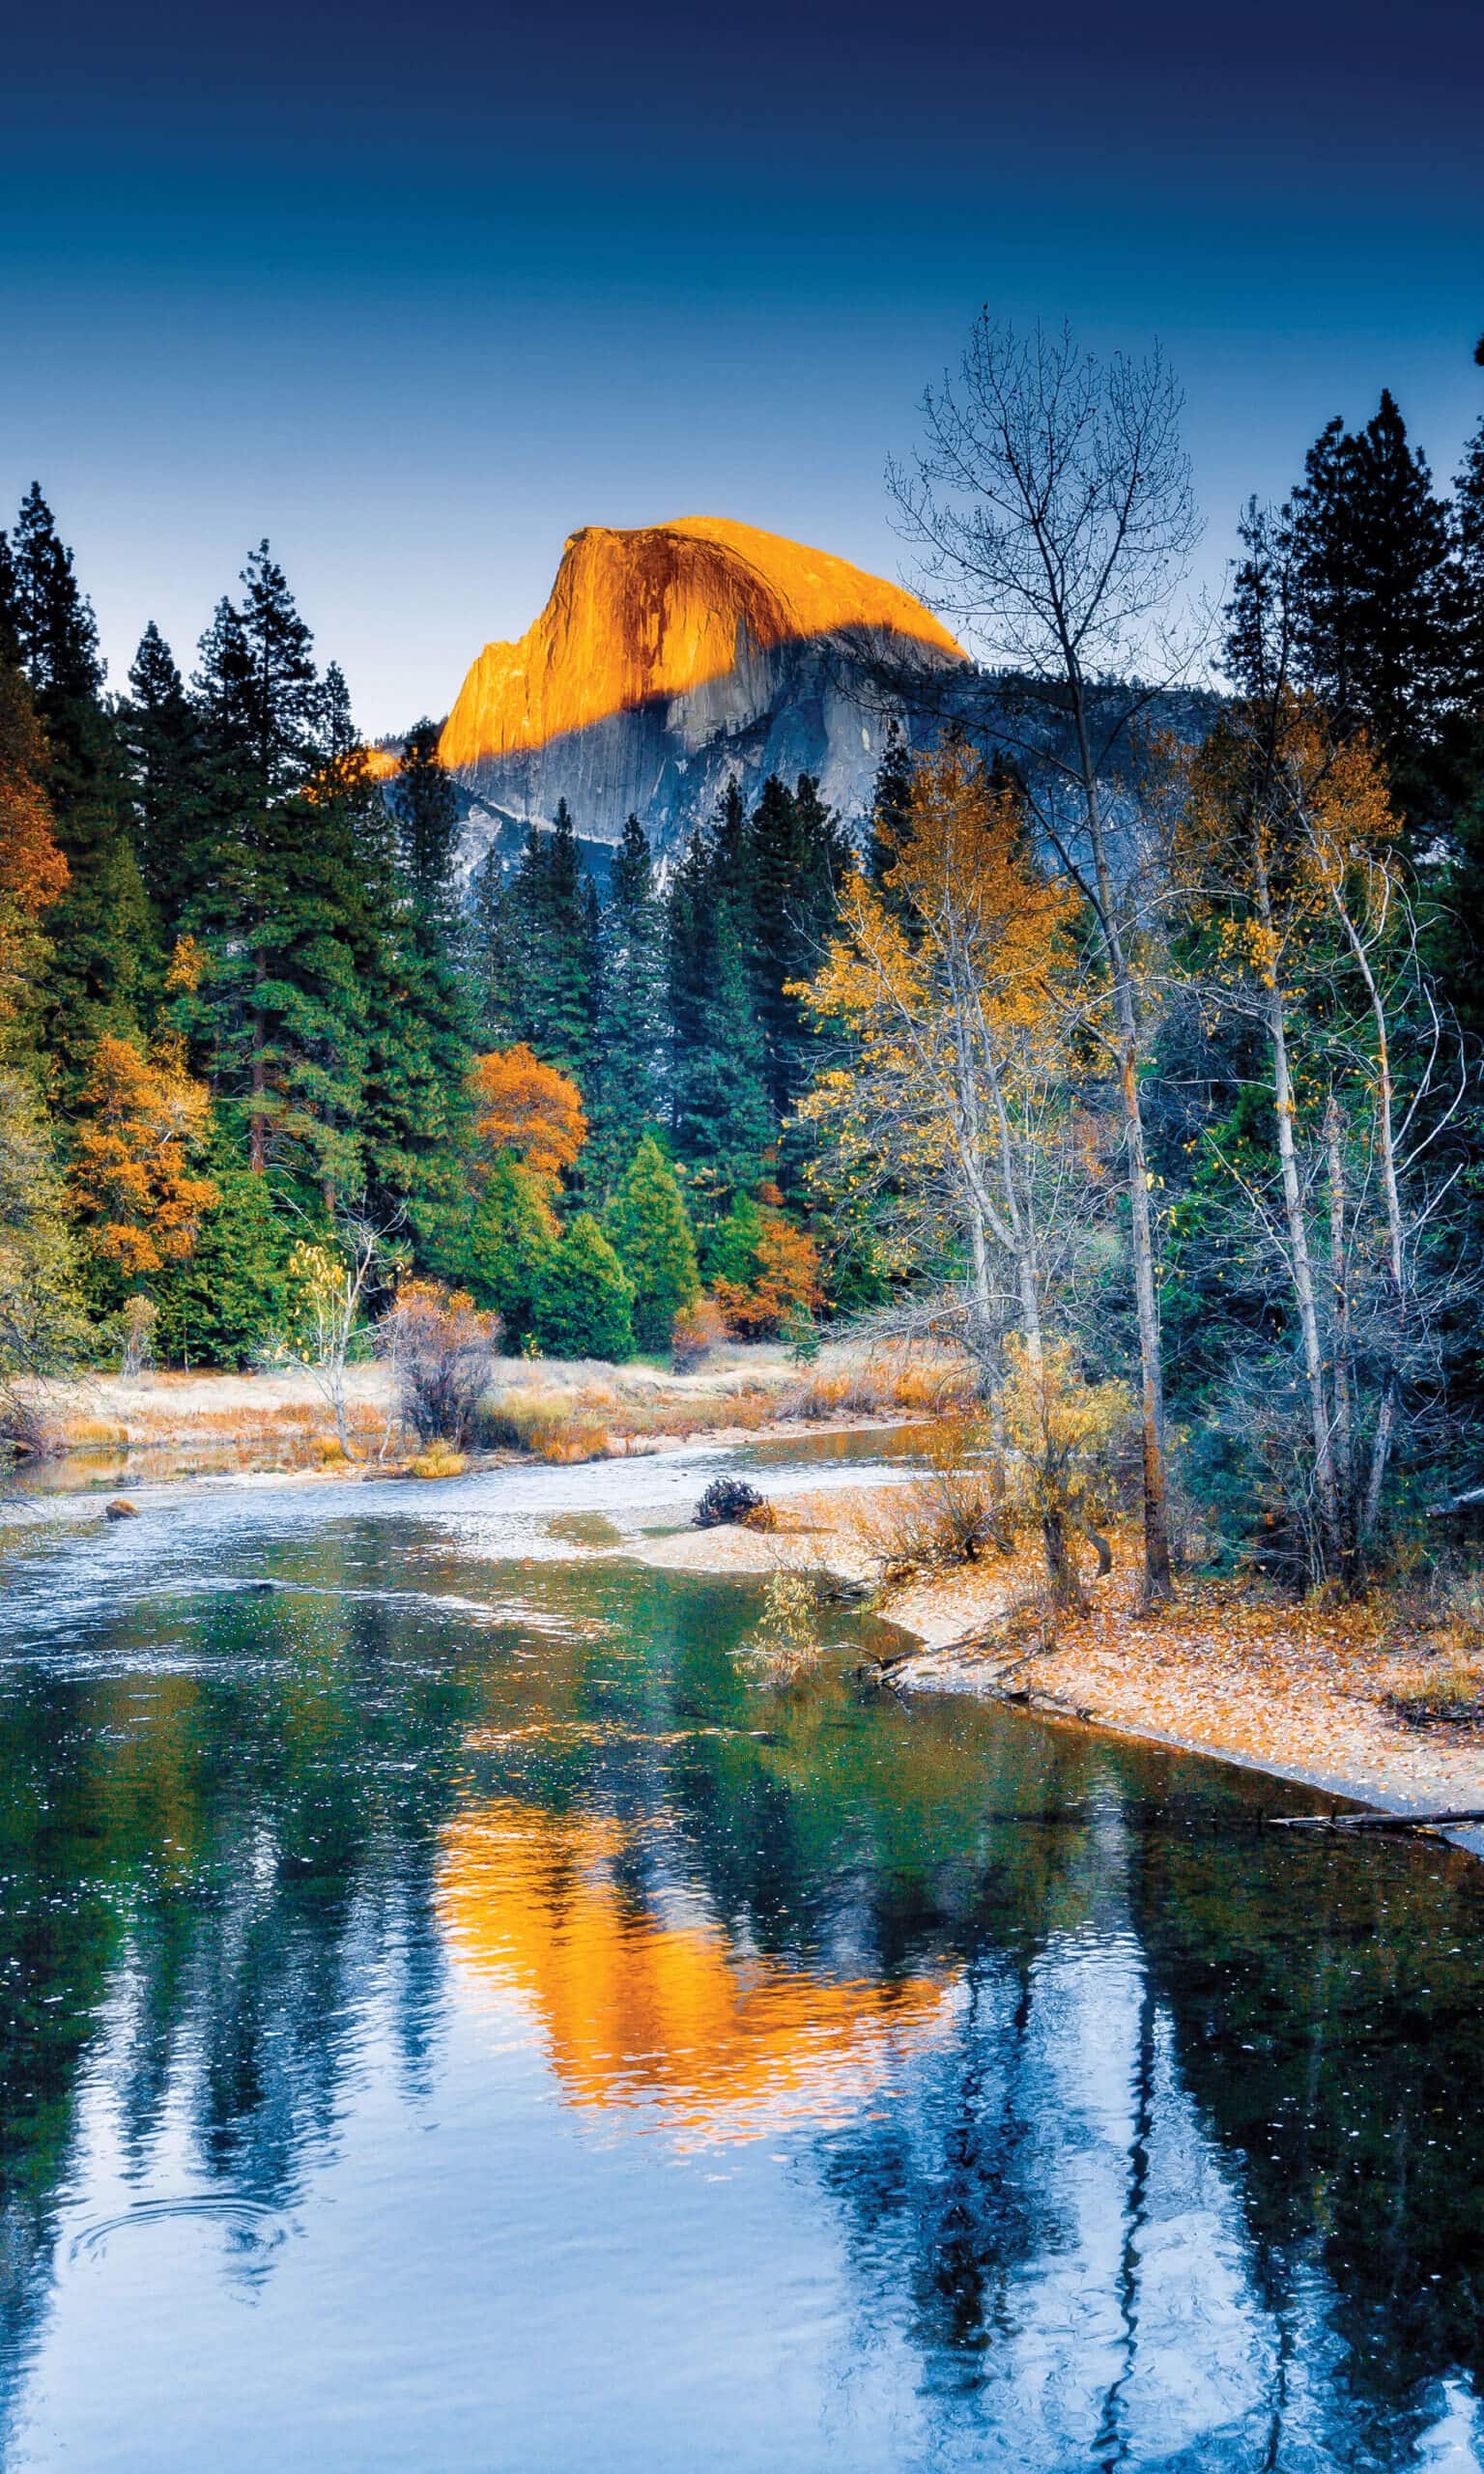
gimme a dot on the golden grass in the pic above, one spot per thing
(914, 1387)
(93, 1434)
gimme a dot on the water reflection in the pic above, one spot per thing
(971, 2093)
(650, 2004)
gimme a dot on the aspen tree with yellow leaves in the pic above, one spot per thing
(954, 985)
(957, 986)
(1051, 502)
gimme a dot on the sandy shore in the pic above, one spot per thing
(1291, 1689)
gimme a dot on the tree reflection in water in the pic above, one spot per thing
(1138, 2135)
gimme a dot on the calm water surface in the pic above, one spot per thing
(453, 2021)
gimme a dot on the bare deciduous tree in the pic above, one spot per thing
(1051, 502)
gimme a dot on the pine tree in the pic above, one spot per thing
(798, 857)
(887, 819)
(294, 889)
(235, 1293)
(510, 1241)
(10, 608)
(540, 932)
(583, 1309)
(1469, 532)
(324, 935)
(484, 951)
(631, 1032)
(161, 734)
(648, 1228)
(564, 982)
(426, 804)
(33, 872)
(103, 954)
(718, 1104)
(53, 618)
(1258, 650)
(1371, 560)
(417, 1116)
(733, 1252)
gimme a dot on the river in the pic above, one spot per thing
(456, 2018)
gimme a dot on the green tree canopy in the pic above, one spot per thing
(649, 1229)
(584, 1304)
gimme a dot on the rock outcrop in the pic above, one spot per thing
(671, 657)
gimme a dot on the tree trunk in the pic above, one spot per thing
(257, 1137)
(1302, 1275)
(1159, 1567)
(1344, 1388)
(1067, 1595)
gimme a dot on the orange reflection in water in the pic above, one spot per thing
(645, 2009)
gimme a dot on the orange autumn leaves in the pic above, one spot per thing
(527, 1108)
(784, 1284)
(131, 1183)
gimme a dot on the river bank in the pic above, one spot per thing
(1296, 1689)
(166, 1425)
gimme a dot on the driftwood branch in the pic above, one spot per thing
(1375, 1820)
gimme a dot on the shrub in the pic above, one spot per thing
(648, 1228)
(585, 1298)
(934, 1388)
(442, 1349)
(726, 1502)
(699, 1331)
(951, 1517)
(786, 1643)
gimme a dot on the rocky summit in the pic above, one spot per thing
(671, 657)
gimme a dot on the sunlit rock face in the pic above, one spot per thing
(668, 659)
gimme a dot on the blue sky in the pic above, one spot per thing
(418, 293)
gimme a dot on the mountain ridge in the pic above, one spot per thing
(670, 656)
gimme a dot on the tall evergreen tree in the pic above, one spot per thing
(543, 951)
(162, 737)
(103, 948)
(1469, 532)
(1371, 552)
(484, 951)
(426, 805)
(629, 1096)
(888, 816)
(10, 608)
(799, 855)
(290, 896)
(53, 617)
(565, 988)
(582, 1305)
(648, 1228)
(719, 1103)
(416, 1112)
